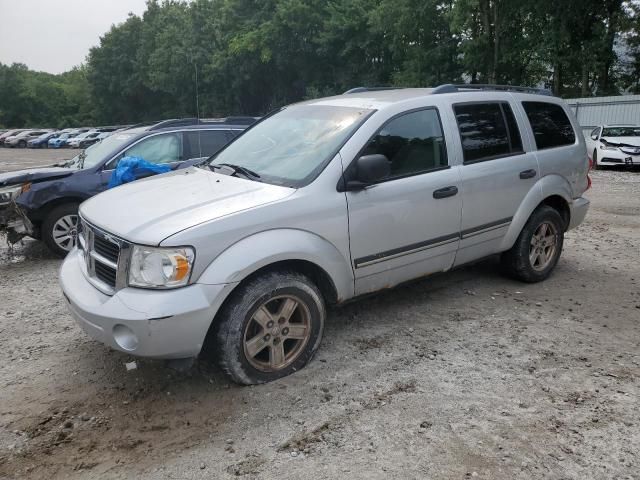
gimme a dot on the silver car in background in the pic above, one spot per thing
(321, 202)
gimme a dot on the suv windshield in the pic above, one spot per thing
(293, 146)
(97, 152)
(621, 132)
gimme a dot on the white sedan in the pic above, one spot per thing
(75, 141)
(614, 145)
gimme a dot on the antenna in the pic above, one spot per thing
(195, 65)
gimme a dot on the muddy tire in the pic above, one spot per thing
(538, 247)
(269, 328)
(59, 228)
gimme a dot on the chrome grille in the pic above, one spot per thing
(104, 257)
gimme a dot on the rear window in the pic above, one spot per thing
(550, 124)
(487, 131)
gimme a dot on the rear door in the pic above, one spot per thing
(408, 224)
(497, 173)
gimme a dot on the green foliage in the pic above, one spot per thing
(250, 56)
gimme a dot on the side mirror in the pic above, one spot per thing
(594, 137)
(368, 169)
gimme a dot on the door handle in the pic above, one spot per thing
(445, 192)
(527, 174)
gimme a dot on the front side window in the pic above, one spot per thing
(293, 146)
(413, 143)
(550, 124)
(164, 148)
(487, 131)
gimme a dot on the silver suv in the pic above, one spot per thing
(321, 202)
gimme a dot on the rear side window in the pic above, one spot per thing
(550, 124)
(211, 141)
(412, 142)
(487, 131)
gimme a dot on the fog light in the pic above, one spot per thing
(125, 338)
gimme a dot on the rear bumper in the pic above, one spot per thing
(148, 323)
(579, 209)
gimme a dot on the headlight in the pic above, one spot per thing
(160, 267)
(9, 193)
(608, 147)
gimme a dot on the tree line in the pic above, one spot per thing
(223, 57)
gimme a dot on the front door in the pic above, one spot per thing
(408, 224)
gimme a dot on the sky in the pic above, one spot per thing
(56, 35)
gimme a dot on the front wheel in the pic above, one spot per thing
(60, 228)
(538, 247)
(269, 328)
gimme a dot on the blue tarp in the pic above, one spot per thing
(132, 168)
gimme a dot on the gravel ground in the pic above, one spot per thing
(18, 158)
(463, 375)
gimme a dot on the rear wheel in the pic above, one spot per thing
(22, 144)
(60, 228)
(538, 247)
(270, 327)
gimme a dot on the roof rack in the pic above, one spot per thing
(182, 122)
(454, 88)
(369, 89)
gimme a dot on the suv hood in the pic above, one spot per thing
(34, 175)
(622, 141)
(148, 211)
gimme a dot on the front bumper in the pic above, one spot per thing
(15, 223)
(617, 157)
(148, 323)
(579, 209)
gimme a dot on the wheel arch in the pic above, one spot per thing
(287, 249)
(552, 190)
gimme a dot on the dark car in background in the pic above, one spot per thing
(41, 141)
(43, 202)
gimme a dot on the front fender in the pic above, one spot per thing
(265, 248)
(543, 188)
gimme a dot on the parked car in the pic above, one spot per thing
(75, 141)
(9, 133)
(61, 141)
(20, 140)
(48, 197)
(321, 202)
(87, 142)
(41, 141)
(611, 145)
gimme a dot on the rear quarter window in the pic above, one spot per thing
(550, 124)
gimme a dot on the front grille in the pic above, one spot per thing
(105, 274)
(106, 248)
(102, 254)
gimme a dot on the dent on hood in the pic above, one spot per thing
(35, 175)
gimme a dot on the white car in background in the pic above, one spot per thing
(612, 145)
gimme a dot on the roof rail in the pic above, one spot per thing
(369, 89)
(453, 88)
(183, 122)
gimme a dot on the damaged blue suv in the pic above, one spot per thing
(42, 203)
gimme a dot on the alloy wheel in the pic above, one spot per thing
(277, 333)
(543, 246)
(65, 232)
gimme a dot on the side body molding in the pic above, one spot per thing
(545, 187)
(271, 246)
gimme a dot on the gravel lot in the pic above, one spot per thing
(463, 375)
(18, 158)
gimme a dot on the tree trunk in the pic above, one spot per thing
(496, 41)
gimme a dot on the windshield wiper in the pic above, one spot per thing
(245, 172)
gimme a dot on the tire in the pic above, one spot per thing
(529, 262)
(594, 158)
(22, 144)
(55, 223)
(242, 327)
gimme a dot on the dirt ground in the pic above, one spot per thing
(464, 375)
